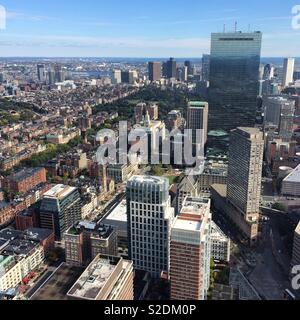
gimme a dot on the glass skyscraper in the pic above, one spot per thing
(234, 75)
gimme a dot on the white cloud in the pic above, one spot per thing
(274, 44)
(71, 41)
(12, 15)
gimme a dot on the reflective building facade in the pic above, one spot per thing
(234, 75)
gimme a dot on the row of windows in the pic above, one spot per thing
(141, 233)
(146, 207)
(140, 226)
(148, 221)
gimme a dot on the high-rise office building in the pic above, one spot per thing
(190, 251)
(205, 67)
(164, 69)
(296, 75)
(268, 72)
(51, 77)
(117, 78)
(125, 77)
(280, 111)
(288, 71)
(190, 68)
(129, 77)
(245, 171)
(234, 75)
(60, 209)
(182, 74)
(150, 217)
(197, 118)
(41, 72)
(286, 126)
(59, 73)
(171, 68)
(154, 71)
(1, 77)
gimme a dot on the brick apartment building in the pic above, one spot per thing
(24, 180)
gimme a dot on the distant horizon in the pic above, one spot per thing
(129, 57)
(138, 28)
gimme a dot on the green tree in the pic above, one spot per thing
(157, 170)
(279, 207)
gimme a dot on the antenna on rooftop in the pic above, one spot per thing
(224, 28)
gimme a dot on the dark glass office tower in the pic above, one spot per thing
(190, 67)
(205, 67)
(234, 75)
(171, 68)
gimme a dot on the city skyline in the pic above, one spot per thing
(58, 29)
(129, 177)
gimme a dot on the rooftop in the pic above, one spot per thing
(24, 173)
(221, 189)
(119, 213)
(38, 233)
(59, 191)
(298, 229)
(216, 232)
(190, 225)
(58, 285)
(250, 133)
(294, 176)
(19, 247)
(14, 242)
(249, 130)
(99, 231)
(236, 34)
(215, 168)
(192, 214)
(9, 234)
(197, 104)
(92, 282)
(195, 206)
(149, 179)
(280, 99)
(217, 133)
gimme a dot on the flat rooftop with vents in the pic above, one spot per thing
(59, 191)
(100, 278)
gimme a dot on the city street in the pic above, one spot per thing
(268, 277)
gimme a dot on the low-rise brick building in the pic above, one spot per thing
(24, 180)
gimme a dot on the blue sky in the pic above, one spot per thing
(144, 28)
